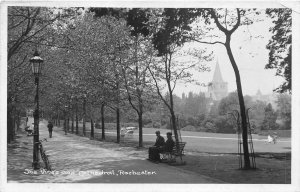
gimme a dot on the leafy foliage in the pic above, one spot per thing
(284, 109)
(176, 25)
(269, 122)
(280, 46)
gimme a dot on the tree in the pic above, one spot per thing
(191, 105)
(108, 41)
(167, 40)
(29, 28)
(280, 46)
(224, 124)
(227, 22)
(284, 109)
(134, 72)
(257, 114)
(269, 122)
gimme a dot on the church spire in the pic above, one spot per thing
(217, 75)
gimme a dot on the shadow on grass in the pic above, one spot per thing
(279, 156)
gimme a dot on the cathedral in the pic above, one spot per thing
(217, 88)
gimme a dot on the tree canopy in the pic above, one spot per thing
(280, 46)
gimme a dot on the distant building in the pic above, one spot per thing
(217, 88)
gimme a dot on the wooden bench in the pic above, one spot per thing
(177, 151)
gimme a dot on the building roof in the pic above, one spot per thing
(217, 75)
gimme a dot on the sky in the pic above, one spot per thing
(251, 57)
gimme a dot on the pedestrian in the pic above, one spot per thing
(270, 139)
(50, 128)
(274, 136)
(153, 151)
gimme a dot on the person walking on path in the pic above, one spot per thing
(50, 128)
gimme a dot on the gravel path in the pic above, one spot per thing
(79, 159)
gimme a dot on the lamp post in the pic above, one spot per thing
(36, 63)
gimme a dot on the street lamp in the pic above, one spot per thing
(36, 63)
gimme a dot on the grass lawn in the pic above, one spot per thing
(215, 156)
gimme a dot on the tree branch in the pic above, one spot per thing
(205, 42)
(157, 89)
(127, 90)
(214, 16)
(237, 23)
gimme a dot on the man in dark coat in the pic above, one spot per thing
(154, 151)
(50, 128)
(169, 143)
(160, 141)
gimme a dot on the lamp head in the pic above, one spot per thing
(36, 63)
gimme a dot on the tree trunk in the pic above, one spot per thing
(118, 111)
(102, 122)
(84, 112)
(173, 117)
(58, 118)
(140, 129)
(72, 122)
(118, 125)
(68, 124)
(92, 129)
(242, 104)
(76, 117)
(174, 125)
(65, 122)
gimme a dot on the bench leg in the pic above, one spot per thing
(172, 158)
(165, 157)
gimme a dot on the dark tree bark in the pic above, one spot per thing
(92, 129)
(102, 121)
(84, 114)
(228, 34)
(118, 125)
(140, 129)
(76, 117)
(72, 121)
(242, 107)
(68, 123)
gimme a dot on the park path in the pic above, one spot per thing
(79, 159)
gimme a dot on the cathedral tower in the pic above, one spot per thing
(217, 88)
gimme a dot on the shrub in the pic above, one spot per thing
(189, 128)
(224, 125)
(149, 125)
(210, 127)
(156, 125)
(191, 121)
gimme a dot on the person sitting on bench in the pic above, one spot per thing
(168, 147)
(154, 151)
